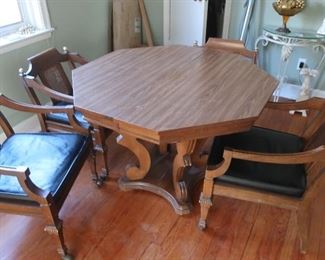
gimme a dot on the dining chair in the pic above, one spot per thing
(38, 169)
(233, 46)
(48, 73)
(270, 167)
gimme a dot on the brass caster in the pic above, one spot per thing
(202, 224)
(104, 174)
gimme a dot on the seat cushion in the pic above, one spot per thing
(63, 118)
(49, 156)
(279, 178)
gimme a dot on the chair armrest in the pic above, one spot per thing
(22, 174)
(312, 103)
(40, 109)
(76, 58)
(48, 91)
(317, 154)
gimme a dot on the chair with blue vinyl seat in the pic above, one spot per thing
(270, 167)
(47, 75)
(38, 170)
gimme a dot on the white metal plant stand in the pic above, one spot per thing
(289, 41)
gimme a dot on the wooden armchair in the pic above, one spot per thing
(271, 167)
(37, 170)
(47, 75)
(232, 46)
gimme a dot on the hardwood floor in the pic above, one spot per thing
(106, 223)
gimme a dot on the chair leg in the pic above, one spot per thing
(99, 136)
(93, 168)
(205, 201)
(55, 227)
(303, 221)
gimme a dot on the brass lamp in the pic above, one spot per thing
(287, 8)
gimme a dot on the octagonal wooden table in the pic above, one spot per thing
(169, 94)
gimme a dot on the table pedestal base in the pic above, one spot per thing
(159, 180)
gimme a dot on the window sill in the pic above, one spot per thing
(15, 41)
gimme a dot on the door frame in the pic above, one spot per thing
(166, 19)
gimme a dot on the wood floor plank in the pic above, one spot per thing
(234, 221)
(268, 234)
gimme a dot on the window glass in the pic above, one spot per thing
(9, 12)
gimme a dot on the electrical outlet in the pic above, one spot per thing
(301, 63)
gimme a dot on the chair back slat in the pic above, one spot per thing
(233, 46)
(6, 127)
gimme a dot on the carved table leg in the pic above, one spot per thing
(142, 154)
(182, 160)
(164, 177)
(199, 158)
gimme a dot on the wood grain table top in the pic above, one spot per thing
(167, 93)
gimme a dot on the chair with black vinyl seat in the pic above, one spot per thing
(38, 170)
(47, 75)
(233, 46)
(269, 166)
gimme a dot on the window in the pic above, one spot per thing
(23, 22)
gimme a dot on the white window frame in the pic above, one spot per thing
(35, 13)
(11, 28)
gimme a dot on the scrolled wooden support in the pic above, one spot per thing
(182, 160)
(142, 154)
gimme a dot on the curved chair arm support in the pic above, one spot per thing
(22, 174)
(48, 91)
(312, 103)
(76, 125)
(317, 154)
(221, 168)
